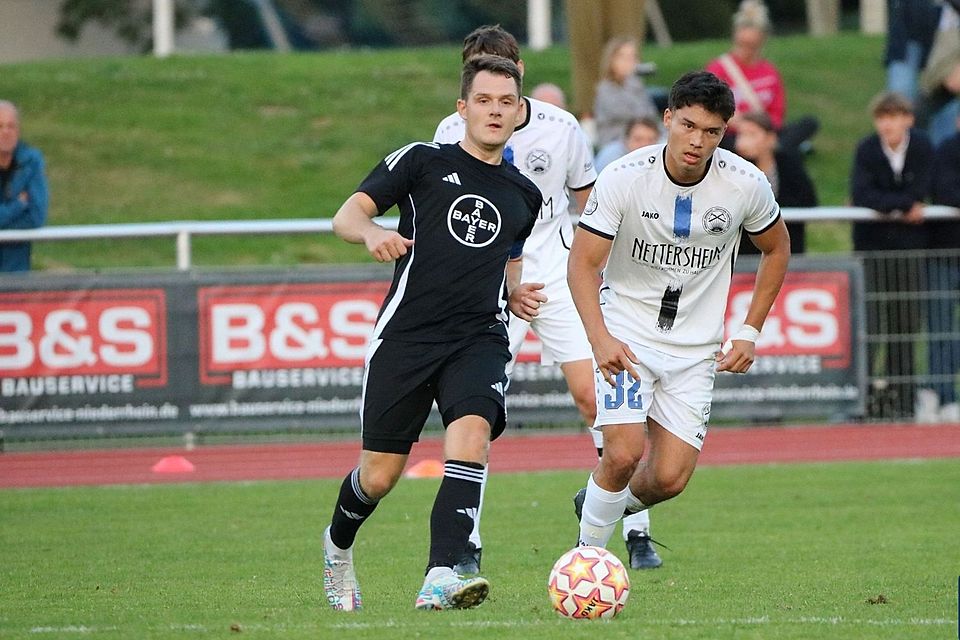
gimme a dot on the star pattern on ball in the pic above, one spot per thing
(556, 595)
(590, 605)
(616, 579)
(580, 568)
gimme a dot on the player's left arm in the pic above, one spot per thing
(525, 298)
(774, 246)
(581, 196)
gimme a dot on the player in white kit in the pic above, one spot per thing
(549, 148)
(666, 221)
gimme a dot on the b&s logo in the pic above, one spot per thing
(811, 317)
(246, 330)
(473, 221)
(96, 341)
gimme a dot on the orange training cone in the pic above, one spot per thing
(425, 469)
(173, 464)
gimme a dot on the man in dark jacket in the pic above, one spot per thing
(23, 189)
(891, 174)
(943, 273)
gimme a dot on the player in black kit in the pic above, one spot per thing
(441, 334)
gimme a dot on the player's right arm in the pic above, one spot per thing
(587, 256)
(354, 223)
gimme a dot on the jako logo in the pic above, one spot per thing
(473, 221)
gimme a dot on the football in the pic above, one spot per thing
(588, 583)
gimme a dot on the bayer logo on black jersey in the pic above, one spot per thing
(473, 220)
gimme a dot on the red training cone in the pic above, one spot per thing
(425, 469)
(173, 464)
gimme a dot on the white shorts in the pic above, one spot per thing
(674, 391)
(558, 326)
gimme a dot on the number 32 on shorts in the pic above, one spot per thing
(625, 389)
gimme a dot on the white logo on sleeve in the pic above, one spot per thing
(473, 220)
(591, 204)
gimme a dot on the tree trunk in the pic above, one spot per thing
(590, 24)
(823, 17)
(873, 16)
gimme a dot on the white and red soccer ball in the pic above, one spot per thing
(588, 583)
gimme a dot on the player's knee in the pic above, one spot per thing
(491, 411)
(585, 399)
(376, 483)
(620, 461)
(379, 486)
(671, 483)
(587, 406)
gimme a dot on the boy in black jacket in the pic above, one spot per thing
(891, 174)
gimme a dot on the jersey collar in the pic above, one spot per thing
(526, 101)
(706, 170)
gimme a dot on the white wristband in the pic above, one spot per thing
(746, 332)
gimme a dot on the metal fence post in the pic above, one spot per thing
(183, 250)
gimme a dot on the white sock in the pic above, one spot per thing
(475, 534)
(333, 550)
(634, 504)
(437, 572)
(602, 510)
(637, 522)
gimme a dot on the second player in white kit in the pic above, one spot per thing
(550, 148)
(664, 223)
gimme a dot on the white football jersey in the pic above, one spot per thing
(667, 278)
(551, 150)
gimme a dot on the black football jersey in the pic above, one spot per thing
(464, 216)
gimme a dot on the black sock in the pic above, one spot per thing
(454, 511)
(352, 510)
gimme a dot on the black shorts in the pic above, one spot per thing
(403, 379)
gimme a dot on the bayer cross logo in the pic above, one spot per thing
(716, 221)
(473, 221)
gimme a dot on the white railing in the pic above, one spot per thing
(183, 231)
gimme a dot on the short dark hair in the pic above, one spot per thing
(494, 64)
(704, 89)
(491, 39)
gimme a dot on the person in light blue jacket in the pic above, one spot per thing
(23, 189)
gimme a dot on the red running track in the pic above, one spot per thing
(512, 453)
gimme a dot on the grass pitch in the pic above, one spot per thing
(864, 550)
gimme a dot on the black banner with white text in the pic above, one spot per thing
(170, 352)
